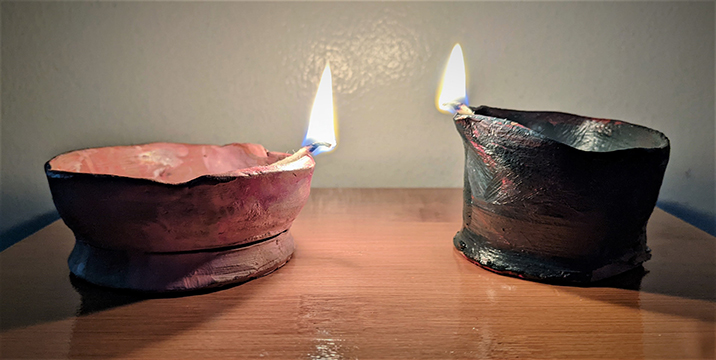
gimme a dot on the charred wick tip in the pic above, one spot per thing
(466, 117)
(460, 108)
(314, 146)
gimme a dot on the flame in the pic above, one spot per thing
(322, 125)
(453, 88)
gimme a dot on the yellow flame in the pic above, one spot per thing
(453, 88)
(322, 125)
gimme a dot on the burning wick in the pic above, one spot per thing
(308, 149)
(459, 108)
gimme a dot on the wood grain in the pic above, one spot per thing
(374, 276)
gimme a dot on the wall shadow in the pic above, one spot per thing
(701, 219)
(20, 231)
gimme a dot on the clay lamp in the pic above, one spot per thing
(552, 196)
(175, 217)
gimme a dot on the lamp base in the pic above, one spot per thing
(479, 250)
(179, 271)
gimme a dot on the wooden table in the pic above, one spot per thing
(374, 276)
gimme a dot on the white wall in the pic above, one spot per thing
(80, 74)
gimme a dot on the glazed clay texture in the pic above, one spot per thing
(557, 197)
